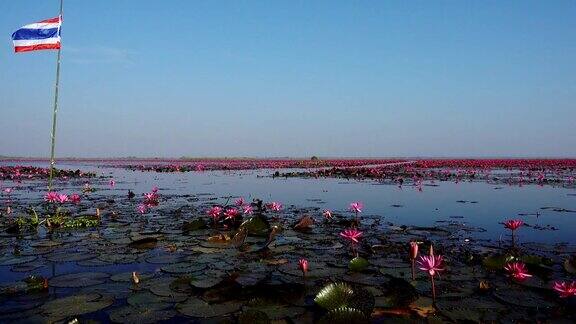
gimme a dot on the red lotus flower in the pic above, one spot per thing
(356, 207)
(275, 206)
(413, 250)
(513, 224)
(303, 265)
(517, 271)
(247, 210)
(51, 197)
(231, 213)
(239, 202)
(413, 255)
(351, 234)
(214, 212)
(152, 198)
(75, 198)
(142, 208)
(565, 289)
(62, 198)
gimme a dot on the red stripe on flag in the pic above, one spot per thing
(51, 20)
(20, 49)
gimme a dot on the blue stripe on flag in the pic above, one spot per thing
(26, 34)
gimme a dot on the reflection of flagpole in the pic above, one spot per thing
(53, 135)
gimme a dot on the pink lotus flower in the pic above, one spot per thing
(517, 271)
(112, 183)
(231, 213)
(214, 212)
(239, 202)
(565, 289)
(356, 207)
(513, 224)
(62, 198)
(433, 264)
(275, 206)
(351, 234)
(7, 191)
(327, 214)
(303, 266)
(51, 197)
(75, 198)
(152, 198)
(142, 208)
(247, 210)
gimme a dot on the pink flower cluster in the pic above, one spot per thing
(55, 197)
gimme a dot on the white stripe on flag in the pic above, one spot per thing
(41, 26)
(32, 42)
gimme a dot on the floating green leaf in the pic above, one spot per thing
(334, 295)
(344, 315)
(358, 264)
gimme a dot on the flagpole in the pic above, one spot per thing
(53, 134)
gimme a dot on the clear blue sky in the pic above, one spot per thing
(294, 78)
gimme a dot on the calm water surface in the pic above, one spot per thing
(477, 204)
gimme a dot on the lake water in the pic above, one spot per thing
(478, 204)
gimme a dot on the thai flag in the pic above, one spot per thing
(42, 35)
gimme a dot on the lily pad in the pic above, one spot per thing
(131, 314)
(278, 312)
(148, 300)
(344, 315)
(69, 256)
(256, 226)
(9, 260)
(358, 264)
(164, 259)
(127, 277)
(496, 262)
(334, 295)
(144, 243)
(253, 316)
(75, 280)
(524, 298)
(62, 308)
(570, 266)
(183, 267)
(195, 307)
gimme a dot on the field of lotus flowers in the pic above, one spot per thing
(304, 241)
